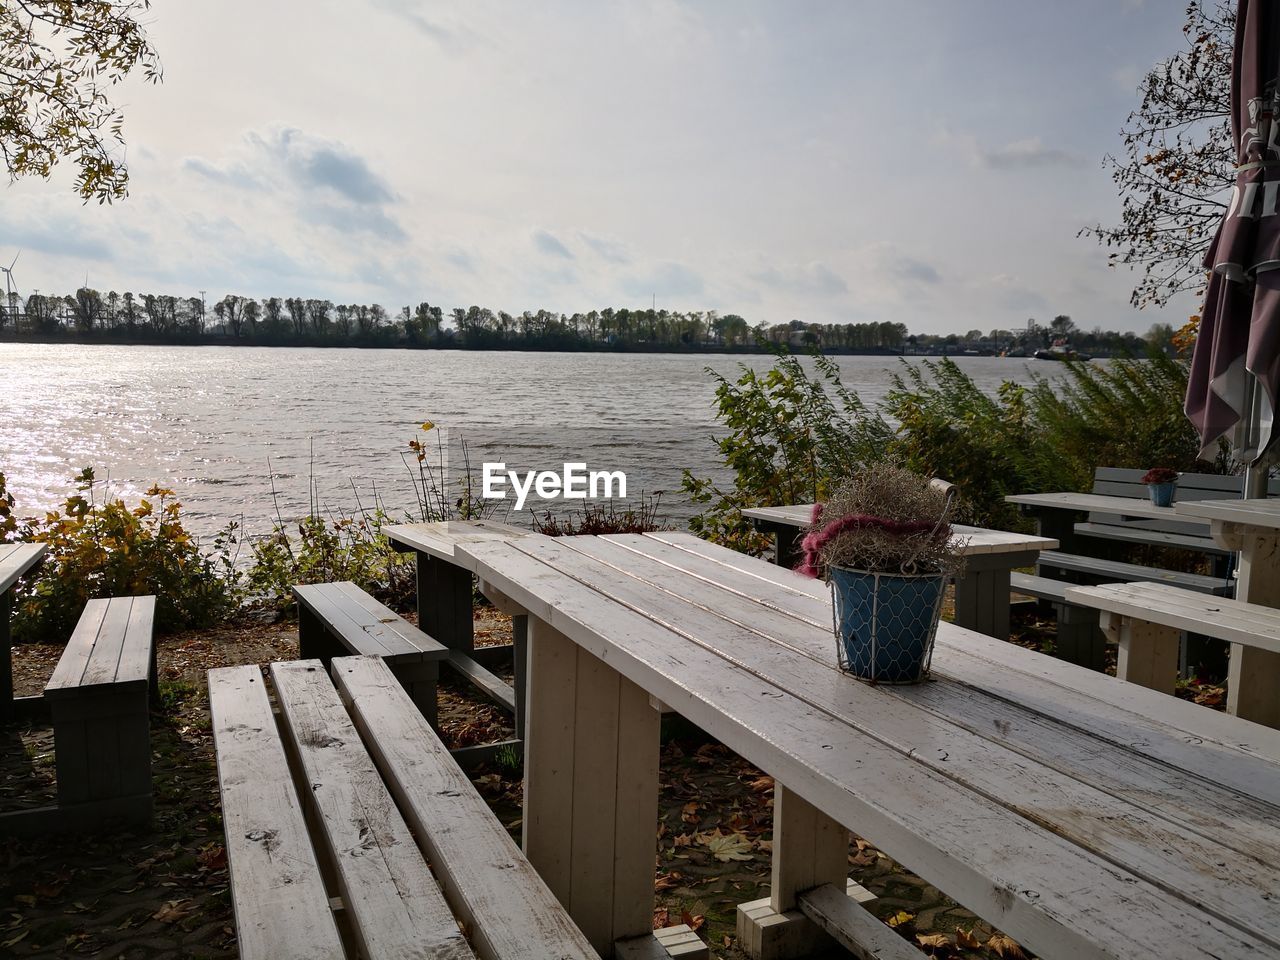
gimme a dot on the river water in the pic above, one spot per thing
(223, 426)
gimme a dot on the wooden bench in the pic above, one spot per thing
(1145, 619)
(337, 869)
(101, 728)
(336, 619)
(1100, 570)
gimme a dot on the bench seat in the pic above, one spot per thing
(1151, 538)
(342, 843)
(1078, 640)
(98, 697)
(337, 619)
(1109, 571)
(1147, 619)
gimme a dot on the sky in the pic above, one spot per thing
(929, 163)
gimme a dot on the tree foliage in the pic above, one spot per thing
(58, 61)
(1178, 161)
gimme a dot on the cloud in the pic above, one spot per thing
(814, 278)
(917, 270)
(352, 219)
(1021, 154)
(666, 279)
(232, 174)
(608, 248)
(64, 236)
(315, 162)
(549, 244)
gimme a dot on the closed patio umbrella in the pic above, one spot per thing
(1235, 370)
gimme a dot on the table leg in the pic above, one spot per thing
(519, 666)
(444, 603)
(1253, 675)
(809, 850)
(6, 663)
(1148, 653)
(591, 788)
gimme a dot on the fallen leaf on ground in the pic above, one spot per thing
(933, 940)
(689, 813)
(761, 784)
(1005, 947)
(966, 939)
(172, 911)
(693, 922)
(667, 880)
(661, 918)
(726, 846)
(899, 918)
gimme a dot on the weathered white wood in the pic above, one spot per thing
(1148, 653)
(397, 911)
(809, 849)
(548, 756)
(16, 559)
(438, 539)
(1124, 713)
(736, 565)
(979, 851)
(1118, 570)
(110, 646)
(366, 627)
(1253, 675)
(974, 541)
(1221, 617)
(486, 879)
(281, 909)
(590, 824)
(1097, 503)
(1261, 513)
(853, 927)
(1080, 811)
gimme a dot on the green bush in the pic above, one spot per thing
(792, 435)
(109, 549)
(345, 548)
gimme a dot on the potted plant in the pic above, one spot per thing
(884, 544)
(1161, 482)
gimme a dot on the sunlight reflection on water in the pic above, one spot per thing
(205, 420)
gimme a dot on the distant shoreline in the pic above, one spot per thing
(641, 348)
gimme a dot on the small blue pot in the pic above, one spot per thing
(1162, 493)
(885, 623)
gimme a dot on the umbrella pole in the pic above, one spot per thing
(1250, 438)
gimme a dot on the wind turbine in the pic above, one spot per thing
(10, 295)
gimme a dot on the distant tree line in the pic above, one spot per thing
(296, 321)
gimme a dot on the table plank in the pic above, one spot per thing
(439, 538)
(974, 541)
(16, 559)
(1097, 503)
(1252, 513)
(1049, 893)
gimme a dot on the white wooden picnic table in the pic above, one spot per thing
(1084, 816)
(1253, 528)
(16, 559)
(982, 591)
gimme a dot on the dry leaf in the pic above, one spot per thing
(899, 918)
(694, 922)
(689, 813)
(933, 940)
(666, 881)
(726, 847)
(661, 918)
(966, 939)
(1004, 947)
(172, 911)
(761, 784)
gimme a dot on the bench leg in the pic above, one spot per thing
(102, 749)
(982, 602)
(6, 662)
(809, 850)
(1148, 651)
(519, 665)
(420, 680)
(314, 642)
(591, 788)
(1253, 675)
(444, 603)
(1080, 640)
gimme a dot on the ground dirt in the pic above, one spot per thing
(162, 893)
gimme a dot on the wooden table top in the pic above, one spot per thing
(1084, 816)
(16, 559)
(439, 538)
(1247, 513)
(977, 540)
(1098, 503)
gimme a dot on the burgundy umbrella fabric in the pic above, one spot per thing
(1240, 324)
